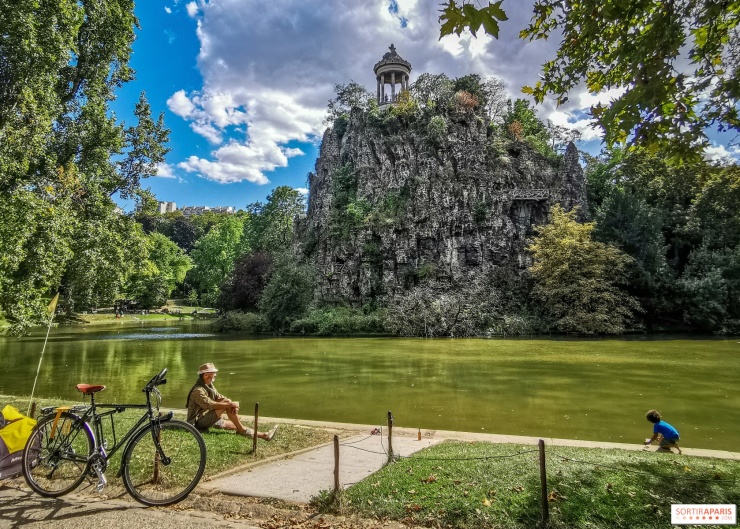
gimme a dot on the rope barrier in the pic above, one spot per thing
(416, 458)
(629, 471)
(482, 458)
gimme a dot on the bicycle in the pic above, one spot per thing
(162, 462)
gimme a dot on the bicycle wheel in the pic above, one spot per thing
(57, 454)
(148, 479)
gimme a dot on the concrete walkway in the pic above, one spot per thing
(303, 475)
(299, 476)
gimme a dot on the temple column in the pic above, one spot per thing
(393, 86)
(377, 82)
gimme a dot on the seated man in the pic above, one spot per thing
(206, 405)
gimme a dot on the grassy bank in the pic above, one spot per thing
(483, 485)
(225, 449)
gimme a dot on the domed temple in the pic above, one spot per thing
(391, 70)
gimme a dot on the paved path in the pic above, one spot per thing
(23, 508)
(305, 474)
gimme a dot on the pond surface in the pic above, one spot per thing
(577, 389)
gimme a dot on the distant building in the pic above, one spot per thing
(200, 210)
(167, 207)
(162, 207)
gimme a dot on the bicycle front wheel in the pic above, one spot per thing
(146, 476)
(57, 454)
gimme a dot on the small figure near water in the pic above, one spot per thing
(667, 433)
(206, 405)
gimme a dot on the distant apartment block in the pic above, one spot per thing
(162, 207)
(167, 207)
(200, 210)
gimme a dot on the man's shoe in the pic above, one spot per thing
(271, 433)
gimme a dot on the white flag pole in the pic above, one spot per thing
(52, 308)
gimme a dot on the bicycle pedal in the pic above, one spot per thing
(102, 482)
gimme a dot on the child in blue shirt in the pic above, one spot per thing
(667, 433)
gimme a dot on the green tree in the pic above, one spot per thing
(61, 149)
(711, 280)
(214, 256)
(288, 293)
(577, 279)
(169, 259)
(675, 63)
(106, 253)
(433, 91)
(349, 96)
(243, 290)
(271, 225)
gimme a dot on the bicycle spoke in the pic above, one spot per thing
(56, 465)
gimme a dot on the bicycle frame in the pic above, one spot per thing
(91, 416)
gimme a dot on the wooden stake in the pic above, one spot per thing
(390, 436)
(256, 418)
(33, 410)
(336, 464)
(543, 482)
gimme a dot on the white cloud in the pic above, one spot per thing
(722, 155)
(165, 170)
(179, 104)
(208, 131)
(302, 190)
(192, 8)
(167, 10)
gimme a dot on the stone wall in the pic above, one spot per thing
(441, 211)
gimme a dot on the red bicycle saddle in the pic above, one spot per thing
(89, 389)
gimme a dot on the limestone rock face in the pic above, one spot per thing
(387, 207)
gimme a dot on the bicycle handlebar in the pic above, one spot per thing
(156, 381)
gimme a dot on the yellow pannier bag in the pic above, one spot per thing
(15, 429)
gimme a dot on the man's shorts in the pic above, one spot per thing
(212, 419)
(666, 442)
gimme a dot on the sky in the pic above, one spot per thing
(244, 84)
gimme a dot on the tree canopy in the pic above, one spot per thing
(578, 279)
(674, 66)
(63, 154)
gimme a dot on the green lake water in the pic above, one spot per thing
(578, 389)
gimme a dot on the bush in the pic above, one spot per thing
(465, 101)
(339, 321)
(437, 129)
(288, 293)
(237, 321)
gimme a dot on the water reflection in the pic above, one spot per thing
(586, 389)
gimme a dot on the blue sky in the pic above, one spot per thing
(244, 84)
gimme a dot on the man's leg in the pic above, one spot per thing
(235, 424)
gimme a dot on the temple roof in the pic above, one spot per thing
(392, 57)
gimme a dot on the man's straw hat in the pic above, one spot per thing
(207, 368)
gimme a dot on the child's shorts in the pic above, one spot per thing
(666, 442)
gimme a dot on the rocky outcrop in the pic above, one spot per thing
(389, 206)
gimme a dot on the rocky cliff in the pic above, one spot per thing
(392, 204)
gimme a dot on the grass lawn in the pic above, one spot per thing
(477, 486)
(225, 450)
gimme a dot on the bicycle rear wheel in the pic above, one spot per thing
(145, 475)
(57, 454)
